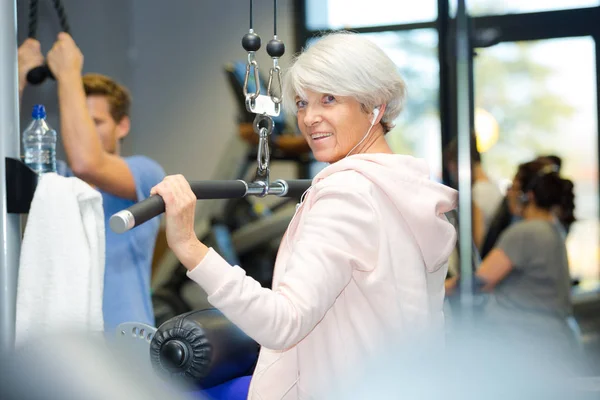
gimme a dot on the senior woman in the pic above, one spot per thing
(364, 258)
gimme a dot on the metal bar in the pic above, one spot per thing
(153, 206)
(381, 28)
(514, 27)
(463, 103)
(10, 225)
(300, 32)
(542, 25)
(446, 93)
(596, 37)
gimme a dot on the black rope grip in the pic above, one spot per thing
(37, 75)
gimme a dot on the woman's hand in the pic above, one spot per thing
(180, 207)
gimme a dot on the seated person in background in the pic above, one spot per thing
(94, 118)
(503, 217)
(362, 264)
(486, 195)
(528, 269)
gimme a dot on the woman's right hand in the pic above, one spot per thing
(180, 208)
(30, 56)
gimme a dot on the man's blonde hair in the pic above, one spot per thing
(119, 98)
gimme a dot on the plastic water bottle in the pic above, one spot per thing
(39, 143)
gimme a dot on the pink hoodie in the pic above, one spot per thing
(363, 260)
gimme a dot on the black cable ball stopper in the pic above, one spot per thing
(275, 48)
(251, 42)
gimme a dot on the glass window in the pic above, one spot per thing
(417, 130)
(495, 7)
(542, 96)
(338, 14)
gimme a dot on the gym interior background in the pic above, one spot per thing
(536, 76)
(171, 56)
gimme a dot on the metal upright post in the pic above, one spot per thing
(463, 104)
(447, 99)
(10, 232)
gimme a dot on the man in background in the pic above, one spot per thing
(94, 119)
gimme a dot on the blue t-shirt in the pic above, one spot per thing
(128, 264)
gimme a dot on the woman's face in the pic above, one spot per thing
(512, 196)
(332, 125)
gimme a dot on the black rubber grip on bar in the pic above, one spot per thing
(155, 205)
(297, 187)
(147, 209)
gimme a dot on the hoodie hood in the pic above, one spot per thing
(420, 201)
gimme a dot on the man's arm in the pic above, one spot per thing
(85, 153)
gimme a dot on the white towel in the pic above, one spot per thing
(61, 272)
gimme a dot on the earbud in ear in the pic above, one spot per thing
(523, 198)
(375, 115)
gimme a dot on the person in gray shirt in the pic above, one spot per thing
(527, 272)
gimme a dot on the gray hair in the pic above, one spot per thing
(347, 64)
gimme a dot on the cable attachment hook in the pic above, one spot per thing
(255, 102)
(275, 49)
(251, 43)
(263, 126)
(275, 72)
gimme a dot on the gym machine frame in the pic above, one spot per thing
(18, 185)
(464, 93)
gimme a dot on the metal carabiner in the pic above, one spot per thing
(251, 63)
(263, 126)
(275, 69)
(263, 155)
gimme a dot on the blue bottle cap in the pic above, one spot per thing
(38, 112)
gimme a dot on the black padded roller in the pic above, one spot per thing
(202, 348)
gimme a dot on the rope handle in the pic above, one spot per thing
(33, 17)
(39, 74)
